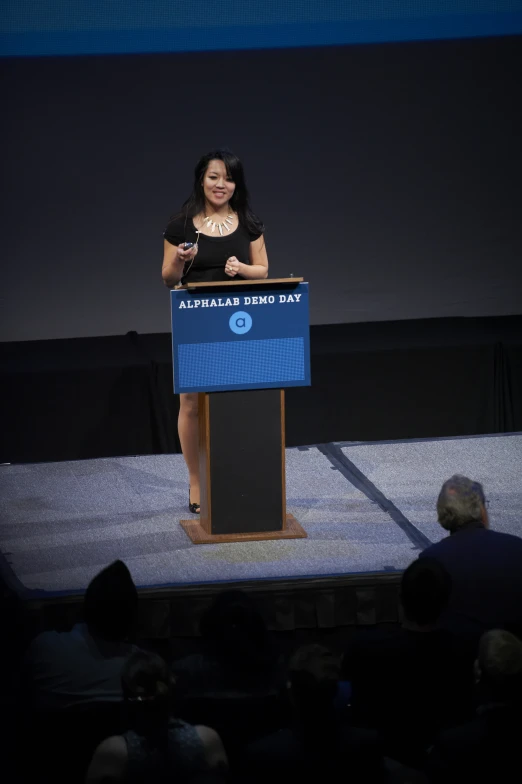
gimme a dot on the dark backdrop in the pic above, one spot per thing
(387, 175)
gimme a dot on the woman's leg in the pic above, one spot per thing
(188, 436)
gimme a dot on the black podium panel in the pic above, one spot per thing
(247, 461)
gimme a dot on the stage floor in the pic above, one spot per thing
(368, 508)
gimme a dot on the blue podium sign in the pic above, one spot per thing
(237, 337)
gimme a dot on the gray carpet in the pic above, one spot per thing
(410, 474)
(61, 522)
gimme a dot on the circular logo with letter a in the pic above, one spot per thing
(240, 322)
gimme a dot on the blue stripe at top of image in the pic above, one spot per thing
(141, 40)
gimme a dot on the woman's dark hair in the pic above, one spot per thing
(240, 198)
(147, 686)
(147, 675)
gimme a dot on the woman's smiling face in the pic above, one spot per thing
(218, 186)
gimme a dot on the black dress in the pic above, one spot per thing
(181, 760)
(209, 264)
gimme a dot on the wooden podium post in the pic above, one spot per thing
(242, 432)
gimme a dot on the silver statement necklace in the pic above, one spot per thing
(212, 225)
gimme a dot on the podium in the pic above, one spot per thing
(238, 344)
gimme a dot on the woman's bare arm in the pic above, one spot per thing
(174, 258)
(109, 762)
(215, 753)
(258, 267)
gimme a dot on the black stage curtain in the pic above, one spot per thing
(103, 397)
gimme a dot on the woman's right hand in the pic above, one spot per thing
(174, 260)
(183, 255)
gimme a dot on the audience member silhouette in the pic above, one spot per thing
(157, 747)
(485, 565)
(238, 651)
(411, 682)
(316, 747)
(84, 665)
(486, 749)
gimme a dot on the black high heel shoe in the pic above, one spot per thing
(194, 508)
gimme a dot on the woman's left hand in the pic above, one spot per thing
(232, 267)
